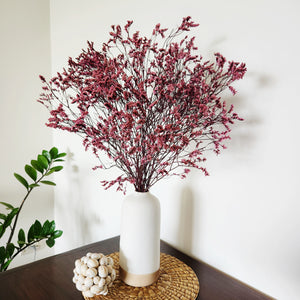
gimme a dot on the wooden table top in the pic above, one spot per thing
(51, 278)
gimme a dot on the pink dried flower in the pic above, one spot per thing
(152, 108)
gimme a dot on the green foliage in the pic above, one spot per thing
(43, 161)
(37, 170)
(22, 180)
(30, 234)
(57, 233)
(61, 155)
(10, 248)
(21, 237)
(10, 216)
(8, 206)
(33, 185)
(48, 182)
(51, 227)
(2, 254)
(53, 153)
(47, 155)
(50, 242)
(7, 219)
(31, 172)
(37, 166)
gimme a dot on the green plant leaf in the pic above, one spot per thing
(46, 228)
(2, 254)
(5, 266)
(10, 248)
(30, 234)
(57, 233)
(10, 217)
(50, 242)
(37, 166)
(8, 206)
(22, 180)
(2, 230)
(53, 152)
(21, 237)
(43, 161)
(3, 217)
(33, 185)
(52, 227)
(31, 172)
(37, 229)
(47, 155)
(61, 155)
(56, 160)
(57, 168)
(50, 172)
(48, 182)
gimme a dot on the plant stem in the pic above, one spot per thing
(20, 250)
(17, 215)
(27, 245)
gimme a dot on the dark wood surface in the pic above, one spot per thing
(51, 278)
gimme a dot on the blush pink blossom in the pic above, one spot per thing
(152, 105)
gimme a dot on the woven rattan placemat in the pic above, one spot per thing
(176, 281)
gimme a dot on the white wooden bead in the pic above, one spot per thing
(85, 288)
(81, 279)
(83, 269)
(113, 275)
(91, 272)
(103, 272)
(88, 293)
(85, 260)
(105, 291)
(88, 282)
(77, 269)
(102, 282)
(92, 263)
(95, 289)
(110, 261)
(96, 256)
(77, 262)
(79, 286)
(96, 279)
(109, 268)
(103, 261)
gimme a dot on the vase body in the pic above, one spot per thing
(140, 239)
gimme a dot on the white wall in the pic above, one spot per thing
(24, 54)
(244, 218)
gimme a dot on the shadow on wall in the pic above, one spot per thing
(73, 206)
(244, 135)
(186, 219)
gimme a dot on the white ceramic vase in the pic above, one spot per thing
(140, 239)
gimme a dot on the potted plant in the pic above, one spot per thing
(154, 107)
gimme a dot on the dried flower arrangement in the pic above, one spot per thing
(151, 104)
